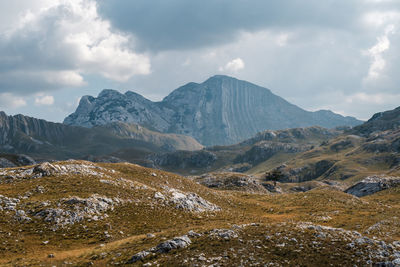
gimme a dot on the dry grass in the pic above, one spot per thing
(128, 224)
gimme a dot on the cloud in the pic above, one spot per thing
(332, 54)
(376, 53)
(180, 24)
(8, 100)
(233, 66)
(60, 44)
(44, 100)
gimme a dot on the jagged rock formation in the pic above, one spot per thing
(23, 134)
(221, 110)
(373, 184)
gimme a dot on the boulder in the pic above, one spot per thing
(372, 184)
(175, 243)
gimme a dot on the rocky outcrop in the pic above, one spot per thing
(373, 184)
(187, 201)
(230, 181)
(47, 169)
(179, 242)
(382, 121)
(75, 209)
(307, 172)
(307, 135)
(8, 203)
(380, 142)
(379, 252)
(221, 110)
(262, 151)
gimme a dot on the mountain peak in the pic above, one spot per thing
(221, 110)
(221, 77)
(109, 93)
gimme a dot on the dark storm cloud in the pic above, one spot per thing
(183, 24)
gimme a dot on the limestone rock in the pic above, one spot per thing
(373, 184)
(191, 202)
(175, 243)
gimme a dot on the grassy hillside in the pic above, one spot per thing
(247, 155)
(347, 158)
(80, 213)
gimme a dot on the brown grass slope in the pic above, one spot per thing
(117, 231)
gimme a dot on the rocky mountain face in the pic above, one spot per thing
(382, 121)
(40, 138)
(220, 111)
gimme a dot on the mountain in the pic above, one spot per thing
(220, 111)
(43, 139)
(381, 121)
(245, 156)
(370, 150)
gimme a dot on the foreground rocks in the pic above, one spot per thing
(75, 209)
(185, 201)
(8, 203)
(230, 181)
(164, 247)
(182, 242)
(373, 184)
(48, 169)
(264, 245)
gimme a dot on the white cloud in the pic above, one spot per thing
(233, 66)
(360, 104)
(59, 44)
(282, 39)
(44, 100)
(379, 19)
(376, 53)
(8, 100)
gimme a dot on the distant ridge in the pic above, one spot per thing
(381, 121)
(48, 140)
(220, 111)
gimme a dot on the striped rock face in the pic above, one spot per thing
(219, 111)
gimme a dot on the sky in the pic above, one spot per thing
(342, 55)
